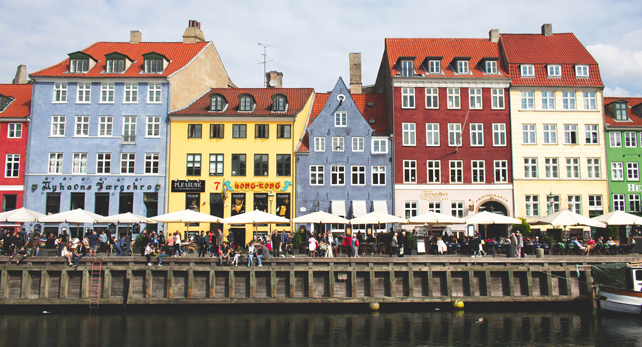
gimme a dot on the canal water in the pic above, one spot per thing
(189, 327)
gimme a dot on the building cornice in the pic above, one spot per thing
(451, 82)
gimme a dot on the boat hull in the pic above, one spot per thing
(620, 300)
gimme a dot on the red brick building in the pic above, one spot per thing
(451, 125)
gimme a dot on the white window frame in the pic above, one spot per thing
(79, 164)
(432, 135)
(152, 160)
(60, 93)
(107, 93)
(457, 209)
(409, 171)
(131, 93)
(630, 139)
(529, 134)
(634, 203)
(554, 70)
(105, 126)
(379, 146)
(531, 205)
(595, 203)
(55, 163)
(621, 111)
(152, 126)
(530, 168)
(575, 203)
(410, 209)
(125, 160)
(456, 172)
(409, 134)
(358, 144)
(581, 71)
(475, 98)
(317, 174)
(105, 160)
(81, 126)
(501, 171)
(591, 134)
(477, 135)
(432, 98)
(454, 134)
(569, 131)
(590, 101)
(572, 167)
(58, 126)
(617, 171)
(548, 100)
(378, 175)
(527, 100)
(568, 101)
(154, 93)
(407, 68)
(83, 93)
(338, 174)
(463, 67)
(498, 101)
(12, 166)
(319, 144)
(408, 98)
(434, 206)
(593, 168)
(434, 66)
(358, 174)
(632, 171)
(129, 128)
(14, 130)
(527, 70)
(551, 168)
(491, 67)
(478, 171)
(615, 139)
(454, 98)
(338, 144)
(499, 134)
(550, 134)
(433, 171)
(618, 202)
(341, 119)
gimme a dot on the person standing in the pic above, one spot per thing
(201, 244)
(93, 242)
(394, 244)
(230, 238)
(276, 244)
(513, 240)
(330, 241)
(103, 242)
(144, 242)
(401, 250)
(220, 238)
(177, 244)
(520, 246)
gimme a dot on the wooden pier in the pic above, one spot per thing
(413, 279)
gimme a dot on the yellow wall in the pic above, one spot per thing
(562, 186)
(180, 146)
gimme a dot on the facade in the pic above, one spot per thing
(558, 130)
(232, 151)
(623, 119)
(15, 109)
(449, 100)
(344, 161)
(100, 123)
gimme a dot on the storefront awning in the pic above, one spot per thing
(380, 206)
(358, 208)
(339, 208)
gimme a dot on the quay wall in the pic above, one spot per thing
(48, 281)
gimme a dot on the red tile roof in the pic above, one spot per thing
(539, 50)
(20, 107)
(377, 112)
(476, 49)
(296, 98)
(635, 119)
(178, 53)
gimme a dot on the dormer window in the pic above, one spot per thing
(246, 103)
(4, 102)
(620, 111)
(407, 68)
(581, 71)
(434, 66)
(279, 103)
(491, 66)
(217, 103)
(154, 63)
(115, 66)
(554, 71)
(527, 70)
(463, 66)
(78, 65)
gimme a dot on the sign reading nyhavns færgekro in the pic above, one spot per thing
(179, 186)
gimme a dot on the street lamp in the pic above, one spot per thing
(270, 199)
(549, 200)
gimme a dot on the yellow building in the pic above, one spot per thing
(232, 150)
(557, 130)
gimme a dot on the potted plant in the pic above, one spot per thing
(296, 242)
(411, 242)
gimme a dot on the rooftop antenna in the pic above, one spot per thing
(265, 61)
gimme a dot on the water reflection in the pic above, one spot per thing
(314, 329)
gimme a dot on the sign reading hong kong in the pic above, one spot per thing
(99, 187)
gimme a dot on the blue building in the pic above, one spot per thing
(344, 159)
(99, 126)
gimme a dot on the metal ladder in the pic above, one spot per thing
(94, 283)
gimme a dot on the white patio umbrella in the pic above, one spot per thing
(486, 218)
(124, 218)
(435, 218)
(619, 218)
(321, 217)
(21, 215)
(77, 216)
(566, 218)
(377, 218)
(186, 216)
(254, 217)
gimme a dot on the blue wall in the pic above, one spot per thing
(318, 198)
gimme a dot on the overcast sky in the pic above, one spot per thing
(312, 39)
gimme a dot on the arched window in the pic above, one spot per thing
(279, 103)
(246, 103)
(217, 103)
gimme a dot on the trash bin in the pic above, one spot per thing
(539, 252)
(510, 251)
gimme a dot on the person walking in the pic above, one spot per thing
(144, 242)
(220, 238)
(394, 244)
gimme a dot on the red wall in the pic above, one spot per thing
(420, 116)
(12, 146)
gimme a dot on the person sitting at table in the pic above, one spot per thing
(590, 245)
(441, 246)
(578, 244)
(613, 245)
(226, 253)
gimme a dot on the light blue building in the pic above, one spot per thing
(344, 160)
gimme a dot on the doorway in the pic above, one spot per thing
(217, 208)
(494, 230)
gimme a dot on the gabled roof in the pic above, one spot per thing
(560, 49)
(179, 54)
(448, 50)
(20, 107)
(377, 112)
(635, 119)
(296, 98)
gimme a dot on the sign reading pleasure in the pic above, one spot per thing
(183, 186)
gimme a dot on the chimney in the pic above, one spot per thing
(193, 33)
(21, 75)
(274, 79)
(135, 36)
(493, 35)
(355, 73)
(547, 29)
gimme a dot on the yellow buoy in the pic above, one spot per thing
(374, 306)
(458, 305)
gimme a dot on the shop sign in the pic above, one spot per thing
(100, 186)
(183, 186)
(634, 188)
(256, 185)
(432, 195)
(491, 196)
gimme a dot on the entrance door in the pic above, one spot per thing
(217, 208)
(494, 230)
(239, 236)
